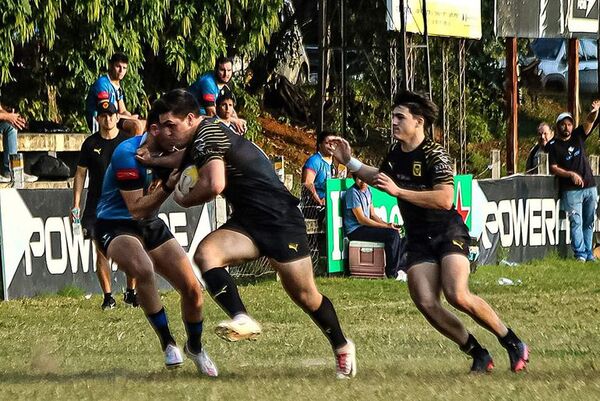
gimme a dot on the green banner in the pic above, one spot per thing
(385, 206)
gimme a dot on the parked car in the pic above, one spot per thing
(553, 65)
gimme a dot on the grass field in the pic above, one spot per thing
(66, 348)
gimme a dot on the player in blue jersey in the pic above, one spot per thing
(108, 87)
(265, 221)
(209, 86)
(131, 234)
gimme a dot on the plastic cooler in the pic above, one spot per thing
(366, 259)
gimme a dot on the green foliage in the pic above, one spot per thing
(66, 43)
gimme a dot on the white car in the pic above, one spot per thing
(553, 66)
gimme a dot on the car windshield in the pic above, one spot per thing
(546, 48)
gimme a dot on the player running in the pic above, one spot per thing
(140, 243)
(417, 171)
(265, 221)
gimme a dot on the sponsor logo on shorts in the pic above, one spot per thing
(416, 169)
(293, 246)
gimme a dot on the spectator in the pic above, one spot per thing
(361, 223)
(94, 157)
(225, 104)
(577, 188)
(10, 122)
(209, 86)
(317, 169)
(545, 135)
(108, 86)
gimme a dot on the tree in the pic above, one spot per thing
(55, 49)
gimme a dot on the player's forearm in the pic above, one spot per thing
(147, 205)
(78, 182)
(313, 191)
(560, 172)
(367, 173)
(589, 121)
(433, 199)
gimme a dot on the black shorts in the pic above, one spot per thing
(433, 246)
(283, 242)
(88, 225)
(151, 232)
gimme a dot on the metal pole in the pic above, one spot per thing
(343, 62)
(427, 62)
(403, 62)
(323, 57)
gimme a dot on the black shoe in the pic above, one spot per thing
(130, 298)
(518, 353)
(482, 362)
(109, 303)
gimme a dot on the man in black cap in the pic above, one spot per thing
(577, 188)
(96, 152)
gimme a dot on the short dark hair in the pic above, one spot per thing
(222, 60)
(225, 95)
(418, 104)
(323, 135)
(118, 58)
(177, 101)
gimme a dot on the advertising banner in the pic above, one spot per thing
(546, 18)
(41, 255)
(385, 206)
(448, 18)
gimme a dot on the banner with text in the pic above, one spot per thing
(448, 18)
(41, 255)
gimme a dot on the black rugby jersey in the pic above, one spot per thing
(95, 155)
(252, 186)
(420, 170)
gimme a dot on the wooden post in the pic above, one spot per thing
(594, 164)
(573, 81)
(513, 106)
(496, 164)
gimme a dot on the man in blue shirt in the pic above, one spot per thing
(131, 234)
(361, 223)
(209, 86)
(317, 169)
(108, 87)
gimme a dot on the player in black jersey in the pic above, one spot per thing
(94, 158)
(266, 221)
(417, 172)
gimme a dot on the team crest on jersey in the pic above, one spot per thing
(416, 169)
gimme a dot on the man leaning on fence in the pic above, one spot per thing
(577, 188)
(545, 135)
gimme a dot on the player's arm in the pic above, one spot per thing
(588, 124)
(561, 172)
(343, 153)
(308, 180)
(123, 113)
(211, 182)
(78, 182)
(169, 160)
(440, 197)
(143, 206)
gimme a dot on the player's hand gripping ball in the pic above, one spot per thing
(189, 178)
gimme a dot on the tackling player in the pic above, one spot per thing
(132, 235)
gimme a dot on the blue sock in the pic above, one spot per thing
(194, 332)
(160, 324)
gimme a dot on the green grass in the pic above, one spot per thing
(67, 348)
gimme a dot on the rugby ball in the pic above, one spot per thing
(189, 178)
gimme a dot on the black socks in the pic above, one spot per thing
(222, 288)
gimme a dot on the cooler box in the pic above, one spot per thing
(366, 259)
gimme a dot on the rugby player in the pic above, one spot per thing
(265, 221)
(131, 234)
(418, 173)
